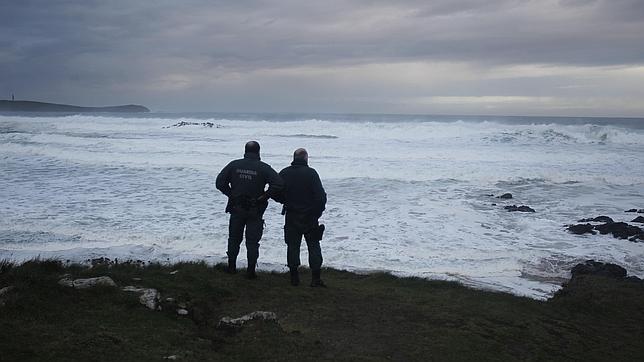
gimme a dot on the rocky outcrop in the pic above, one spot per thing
(104, 281)
(149, 297)
(592, 267)
(638, 219)
(507, 195)
(580, 229)
(640, 211)
(620, 230)
(604, 219)
(521, 208)
(228, 322)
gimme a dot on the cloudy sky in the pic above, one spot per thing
(511, 57)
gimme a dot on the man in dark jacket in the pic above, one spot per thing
(304, 201)
(243, 181)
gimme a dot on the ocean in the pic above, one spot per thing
(411, 195)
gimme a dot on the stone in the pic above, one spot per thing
(521, 208)
(591, 267)
(638, 219)
(149, 296)
(228, 322)
(104, 281)
(620, 230)
(6, 290)
(631, 210)
(182, 311)
(580, 229)
(604, 219)
(507, 195)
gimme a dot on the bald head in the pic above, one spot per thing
(301, 155)
(252, 147)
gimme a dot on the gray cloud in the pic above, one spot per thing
(274, 55)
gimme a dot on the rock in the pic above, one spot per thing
(227, 322)
(66, 282)
(493, 204)
(507, 195)
(182, 311)
(580, 229)
(104, 281)
(631, 210)
(605, 219)
(521, 208)
(591, 267)
(149, 296)
(620, 230)
(6, 290)
(640, 211)
(638, 219)
(174, 272)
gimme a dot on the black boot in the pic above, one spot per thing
(232, 266)
(295, 277)
(315, 279)
(250, 272)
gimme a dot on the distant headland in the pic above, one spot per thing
(31, 106)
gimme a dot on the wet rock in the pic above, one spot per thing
(227, 322)
(149, 296)
(620, 230)
(638, 219)
(580, 229)
(604, 219)
(640, 211)
(104, 281)
(631, 210)
(591, 267)
(521, 208)
(507, 195)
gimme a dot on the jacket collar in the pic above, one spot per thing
(254, 156)
(299, 162)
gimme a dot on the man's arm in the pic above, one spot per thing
(223, 181)
(275, 183)
(319, 195)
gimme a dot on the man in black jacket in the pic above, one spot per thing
(304, 201)
(243, 181)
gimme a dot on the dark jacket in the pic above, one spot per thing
(304, 193)
(245, 179)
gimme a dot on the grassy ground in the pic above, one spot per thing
(359, 317)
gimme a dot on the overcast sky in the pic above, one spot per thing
(508, 57)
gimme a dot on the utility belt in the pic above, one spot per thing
(247, 203)
(306, 222)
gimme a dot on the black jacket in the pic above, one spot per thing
(304, 193)
(246, 178)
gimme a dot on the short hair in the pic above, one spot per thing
(300, 154)
(252, 147)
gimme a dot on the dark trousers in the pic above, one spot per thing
(295, 227)
(252, 221)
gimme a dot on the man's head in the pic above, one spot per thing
(252, 147)
(301, 155)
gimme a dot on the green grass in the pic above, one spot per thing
(359, 317)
